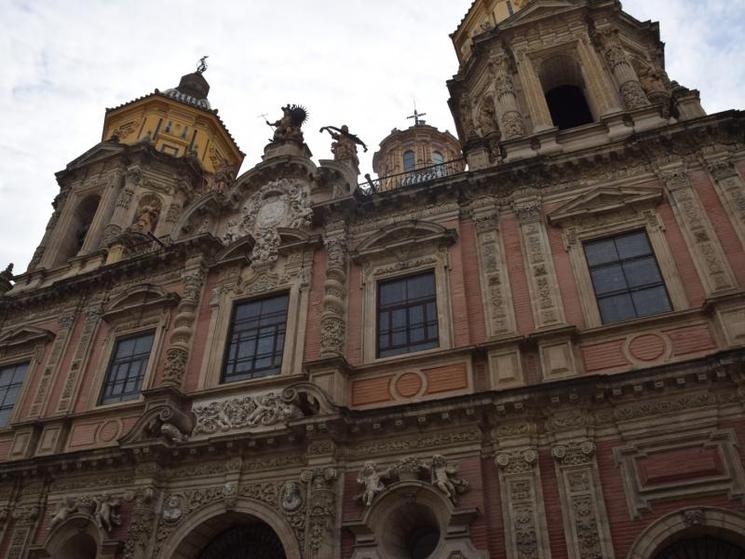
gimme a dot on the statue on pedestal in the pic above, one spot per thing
(288, 128)
(345, 143)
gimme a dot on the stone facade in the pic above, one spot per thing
(533, 429)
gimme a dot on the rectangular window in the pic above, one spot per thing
(257, 339)
(626, 277)
(407, 315)
(127, 369)
(11, 380)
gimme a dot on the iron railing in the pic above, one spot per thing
(414, 177)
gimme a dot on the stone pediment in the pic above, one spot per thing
(539, 9)
(100, 152)
(26, 335)
(603, 200)
(138, 298)
(404, 234)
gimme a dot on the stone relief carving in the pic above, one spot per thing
(444, 476)
(103, 508)
(291, 496)
(245, 412)
(281, 203)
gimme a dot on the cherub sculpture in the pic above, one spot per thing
(288, 128)
(345, 143)
(64, 510)
(372, 480)
(106, 514)
(443, 477)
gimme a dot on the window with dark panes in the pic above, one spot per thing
(409, 160)
(11, 381)
(257, 339)
(127, 368)
(626, 277)
(407, 315)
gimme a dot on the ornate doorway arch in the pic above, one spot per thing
(706, 526)
(245, 541)
(214, 533)
(704, 547)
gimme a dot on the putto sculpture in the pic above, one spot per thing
(372, 481)
(444, 477)
(345, 143)
(289, 127)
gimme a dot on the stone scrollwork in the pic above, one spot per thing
(281, 203)
(244, 412)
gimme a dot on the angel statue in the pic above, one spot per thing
(288, 128)
(443, 477)
(345, 143)
(372, 481)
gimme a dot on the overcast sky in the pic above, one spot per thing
(359, 62)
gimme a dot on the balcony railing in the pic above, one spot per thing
(414, 177)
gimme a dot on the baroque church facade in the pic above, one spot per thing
(526, 342)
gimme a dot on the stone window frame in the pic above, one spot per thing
(409, 256)
(30, 347)
(631, 215)
(156, 321)
(293, 280)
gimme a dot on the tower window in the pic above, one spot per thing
(257, 339)
(127, 369)
(407, 315)
(626, 277)
(564, 87)
(409, 160)
(568, 107)
(437, 158)
(11, 380)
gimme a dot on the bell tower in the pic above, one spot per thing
(552, 76)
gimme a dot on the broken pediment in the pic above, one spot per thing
(138, 298)
(604, 200)
(405, 234)
(539, 9)
(26, 335)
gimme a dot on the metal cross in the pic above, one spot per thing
(416, 116)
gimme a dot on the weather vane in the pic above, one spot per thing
(202, 68)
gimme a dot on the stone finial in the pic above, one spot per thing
(6, 277)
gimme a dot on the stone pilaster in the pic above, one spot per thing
(597, 81)
(177, 354)
(510, 117)
(548, 309)
(525, 530)
(25, 519)
(92, 319)
(495, 288)
(702, 240)
(321, 526)
(631, 90)
(334, 316)
(586, 525)
(66, 323)
(730, 187)
(536, 99)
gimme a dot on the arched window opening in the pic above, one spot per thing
(77, 231)
(85, 214)
(245, 541)
(437, 158)
(411, 532)
(409, 160)
(80, 546)
(702, 548)
(564, 88)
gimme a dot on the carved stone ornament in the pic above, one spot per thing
(103, 508)
(173, 509)
(281, 203)
(244, 412)
(291, 496)
(444, 477)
